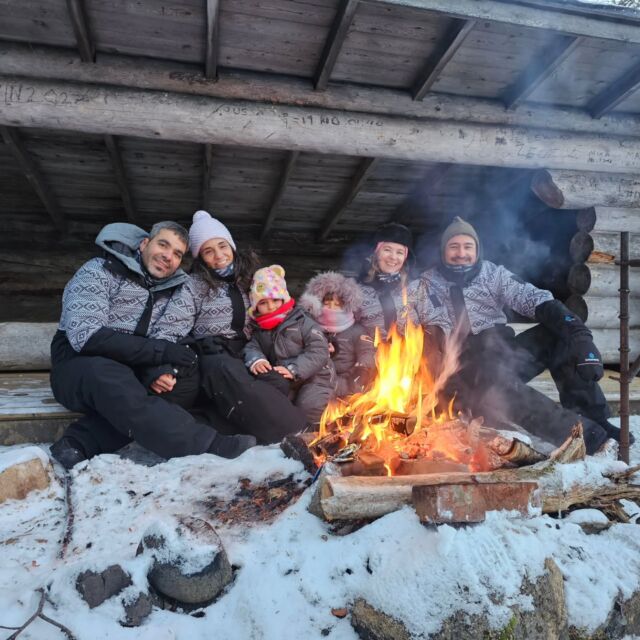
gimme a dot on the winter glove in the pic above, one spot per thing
(586, 358)
(583, 354)
(178, 355)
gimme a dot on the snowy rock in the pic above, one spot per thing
(137, 610)
(95, 588)
(190, 564)
(623, 621)
(22, 472)
(546, 621)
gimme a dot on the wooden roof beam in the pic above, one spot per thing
(289, 166)
(207, 169)
(615, 93)
(213, 36)
(80, 24)
(334, 42)
(539, 69)
(365, 168)
(31, 171)
(534, 17)
(444, 51)
(121, 177)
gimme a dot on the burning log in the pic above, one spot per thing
(355, 498)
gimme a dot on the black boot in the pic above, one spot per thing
(68, 452)
(231, 446)
(614, 432)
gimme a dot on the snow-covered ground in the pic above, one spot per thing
(293, 570)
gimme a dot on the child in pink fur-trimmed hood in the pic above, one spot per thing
(332, 300)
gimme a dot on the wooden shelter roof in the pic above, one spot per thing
(514, 59)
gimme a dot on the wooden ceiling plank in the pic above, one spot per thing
(213, 37)
(615, 93)
(80, 24)
(335, 40)
(33, 174)
(539, 69)
(445, 50)
(534, 17)
(121, 177)
(365, 168)
(290, 164)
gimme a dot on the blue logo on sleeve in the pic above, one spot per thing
(569, 318)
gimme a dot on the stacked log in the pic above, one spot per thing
(608, 204)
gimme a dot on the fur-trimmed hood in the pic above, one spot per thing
(347, 289)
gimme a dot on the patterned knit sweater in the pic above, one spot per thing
(214, 311)
(485, 298)
(98, 296)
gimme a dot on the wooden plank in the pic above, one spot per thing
(84, 41)
(126, 71)
(334, 42)
(289, 166)
(615, 93)
(539, 69)
(446, 49)
(365, 169)
(212, 44)
(207, 168)
(529, 16)
(28, 395)
(33, 174)
(97, 109)
(121, 177)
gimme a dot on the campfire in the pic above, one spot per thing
(402, 426)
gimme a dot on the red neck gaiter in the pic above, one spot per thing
(271, 320)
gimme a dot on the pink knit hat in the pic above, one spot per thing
(268, 282)
(204, 228)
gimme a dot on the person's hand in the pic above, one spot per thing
(179, 355)
(260, 366)
(586, 358)
(284, 372)
(163, 383)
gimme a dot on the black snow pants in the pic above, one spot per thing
(252, 405)
(118, 408)
(492, 381)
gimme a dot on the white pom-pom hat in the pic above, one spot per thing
(203, 228)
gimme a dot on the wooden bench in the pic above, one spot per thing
(30, 413)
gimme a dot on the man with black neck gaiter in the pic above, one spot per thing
(495, 365)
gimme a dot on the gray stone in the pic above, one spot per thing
(623, 621)
(137, 610)
(95, 588)
(371, 624)
(169, 574)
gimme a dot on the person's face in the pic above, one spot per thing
(391, 256)
(268, 305)
(332, 301)
(216, 253)
(461, 250)
(163, 254)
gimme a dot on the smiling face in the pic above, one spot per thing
(461, 250)
(391, 256)
(162, 254)
(268, 305)
(216, 253)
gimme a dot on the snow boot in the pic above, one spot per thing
(68, 452)
(614, 432)
(231, 446)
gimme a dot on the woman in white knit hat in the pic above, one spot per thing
(222, 276)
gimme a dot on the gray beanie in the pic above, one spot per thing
(458, 227)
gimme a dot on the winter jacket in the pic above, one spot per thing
(354, 358)
(485, 296)
(111, 308)
(214, 310)
(298, 344)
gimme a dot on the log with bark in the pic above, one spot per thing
(562, 189)
(354, 498)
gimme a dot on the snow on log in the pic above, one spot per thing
(22, 472)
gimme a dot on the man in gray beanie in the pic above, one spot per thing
(495, 365)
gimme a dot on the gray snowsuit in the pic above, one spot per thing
(298, 344)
